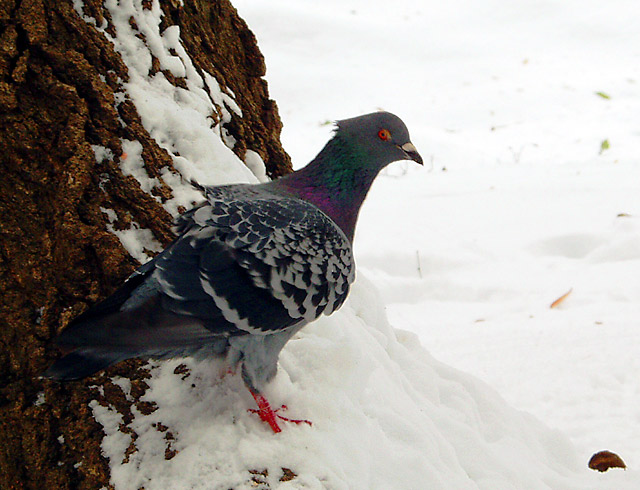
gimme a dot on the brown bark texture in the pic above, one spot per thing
(58, 75)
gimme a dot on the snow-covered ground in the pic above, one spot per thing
(509, 103)
(519, 202)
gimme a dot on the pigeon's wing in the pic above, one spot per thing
(201, 277)
(264, 263)
(295, 252)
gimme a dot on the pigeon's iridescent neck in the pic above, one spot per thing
(336, 181)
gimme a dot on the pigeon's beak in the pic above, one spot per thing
(411, 152)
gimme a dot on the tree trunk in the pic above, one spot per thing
(59, 75)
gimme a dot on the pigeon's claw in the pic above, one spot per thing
(265, 412)
(287, 419)
(270, 416)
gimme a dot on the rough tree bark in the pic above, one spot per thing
(58, 75)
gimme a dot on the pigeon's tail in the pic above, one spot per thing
(147, 331)
(82, 363)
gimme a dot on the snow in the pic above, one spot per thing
(133, 164)
(518, 203)
(136, 240)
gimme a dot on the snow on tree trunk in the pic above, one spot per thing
(87, 188)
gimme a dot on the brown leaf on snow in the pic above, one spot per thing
(604, 460)
(559, 301)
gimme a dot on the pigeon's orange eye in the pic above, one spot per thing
(384, 134)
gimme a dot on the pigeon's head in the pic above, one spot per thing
(381, 136)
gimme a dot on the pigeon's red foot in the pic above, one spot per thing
(270, 416)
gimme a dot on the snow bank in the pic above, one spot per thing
(385, 415)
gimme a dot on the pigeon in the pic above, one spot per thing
(250, 266)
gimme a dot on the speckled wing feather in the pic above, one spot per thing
(266, 262)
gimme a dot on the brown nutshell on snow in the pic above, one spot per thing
(604, 460)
